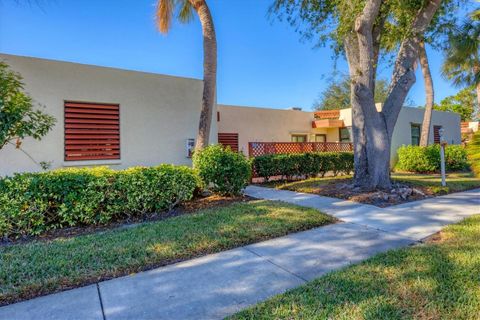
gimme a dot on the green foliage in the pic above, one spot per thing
(32, 203)
(337, 95)
(226, 172)
(18, 118)
(427, 159)
(303, 164)
(473, 152)
(464, 103)
(331, 21)
(462, 55)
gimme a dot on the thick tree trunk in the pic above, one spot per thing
(209, 72)
(429, 94)
(373, 129)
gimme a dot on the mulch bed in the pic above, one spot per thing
(400, 193)
(190, 207)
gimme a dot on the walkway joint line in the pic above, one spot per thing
(101, 302)
(276, 265)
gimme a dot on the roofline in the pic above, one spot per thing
(6, 55)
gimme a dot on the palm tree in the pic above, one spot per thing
(429, 93)
(462, 61)
(165, 11)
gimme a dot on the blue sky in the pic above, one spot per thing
(261, 61)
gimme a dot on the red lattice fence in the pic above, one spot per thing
(256, 149)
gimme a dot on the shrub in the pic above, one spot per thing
(33, 203)
(224, 171)
(473, 152)
(302, 164)
(427, 159)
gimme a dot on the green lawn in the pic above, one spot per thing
(456, 182)
(35, 268)
(436, 280)
(431, 183)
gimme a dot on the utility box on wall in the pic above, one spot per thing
(190, 146)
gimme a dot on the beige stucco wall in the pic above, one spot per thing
(157, 112)
(267, 125)
(408, 116)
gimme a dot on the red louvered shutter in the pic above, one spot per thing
(229, 139)
(436, 134)
(92, 131)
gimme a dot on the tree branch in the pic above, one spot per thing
(404, 73)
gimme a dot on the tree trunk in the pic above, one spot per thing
(209, 72)
(429, 94)
(372, 129)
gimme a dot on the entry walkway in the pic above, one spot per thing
(218, 285)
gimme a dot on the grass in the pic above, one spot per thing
(436, 280)
(431, 183)
(456, 182)
(36, 268)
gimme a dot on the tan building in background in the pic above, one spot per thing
(253, 124)
(124, 118)
(157, 114)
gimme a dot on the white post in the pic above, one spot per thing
(442, 157)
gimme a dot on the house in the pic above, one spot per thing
(470, 127)
(122, 118)
(106, 116)
(249, 124)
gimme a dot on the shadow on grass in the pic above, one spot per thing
(432, 281)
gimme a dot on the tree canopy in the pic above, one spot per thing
(18, 117)
(464, 103)
(337, 94)
(462, 61)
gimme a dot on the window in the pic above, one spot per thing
(415, 133)
(92, 131)
(436, 134)
(344, 134)
(320, 138)
(299, 138)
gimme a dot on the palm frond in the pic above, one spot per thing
(185, 14)
(164, 14)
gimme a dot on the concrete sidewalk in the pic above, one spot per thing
(218, 285)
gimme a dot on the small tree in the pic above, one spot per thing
(464, 103)
(337, 94)
(18, 118)
(462, 56)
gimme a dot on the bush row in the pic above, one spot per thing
(303, 164)
(427, 159)
(32, 203)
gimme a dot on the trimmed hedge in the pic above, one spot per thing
(224, 171)
(303, 164)
(427, 159)
(33, 203)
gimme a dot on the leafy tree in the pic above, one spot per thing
(18, 118)
(462, 60)
(464, 103)
(362, 30)
(185, 8)
(337, 95)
